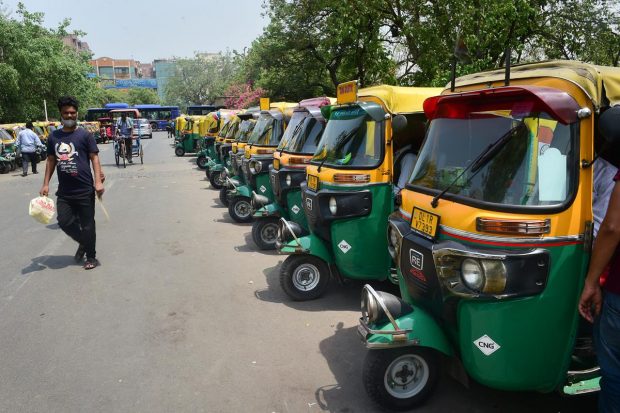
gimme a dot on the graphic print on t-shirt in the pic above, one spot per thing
(65, 154)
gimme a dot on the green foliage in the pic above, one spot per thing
(36, 66)
(200, 80)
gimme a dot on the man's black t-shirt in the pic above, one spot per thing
(72, 151)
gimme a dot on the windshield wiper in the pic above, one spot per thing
(485, 156)
(345, 138)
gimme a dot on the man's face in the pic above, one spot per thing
(68, 112)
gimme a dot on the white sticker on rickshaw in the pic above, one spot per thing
(295, 209)
(486, 345)
(262, 188)
(344, 246)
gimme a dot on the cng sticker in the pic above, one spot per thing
(486, 345)
(344, 246)
(262, 188)
(295, 209)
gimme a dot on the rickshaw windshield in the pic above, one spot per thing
(293, 126)
(351, 139)
(534, 166)
(307, 137)
(225, 129)
(267, 131)
(232, 130)
(245, 130)
(5, 136)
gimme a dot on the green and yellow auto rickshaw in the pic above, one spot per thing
(349, 190)
(300, 140)
(258, 155)
(7, 152)
(493, 237)
(215, 158)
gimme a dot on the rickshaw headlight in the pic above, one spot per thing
(333, 205)
(394, 241)
(289, 180)
(472, 274)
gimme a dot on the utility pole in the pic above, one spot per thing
(45, 107)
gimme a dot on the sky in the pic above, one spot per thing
(155, 29)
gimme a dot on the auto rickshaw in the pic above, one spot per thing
(349, 194)
(212, 157)
(258, 155)
(11, 151)
(197, 130)
(106, 129)
(223, 145)
(493, 237)
(7, 155)
(179, 127)
(300, 140)
(232, 176)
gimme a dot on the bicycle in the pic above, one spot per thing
(120, 151)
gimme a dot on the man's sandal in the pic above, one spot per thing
(91, 263)
(79, 254)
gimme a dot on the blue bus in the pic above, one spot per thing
(202, 109)
(158, 116)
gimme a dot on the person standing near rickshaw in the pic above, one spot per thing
(72, 151)
(124, 126)
(602, 305)
(28, 142)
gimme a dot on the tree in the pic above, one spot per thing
(200, 80)
(242, 95)
(36, 66)
(142, 96)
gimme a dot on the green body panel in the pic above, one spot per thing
(271, 210)
(263, 186)
(312, 245)
(425, 332)
(242, 190)
(191, 143)
(535, 334)
(368, 257)
(293, 198)
(216, 167)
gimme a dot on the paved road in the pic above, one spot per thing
(184, 315)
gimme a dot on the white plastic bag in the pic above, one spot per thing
(42, 209)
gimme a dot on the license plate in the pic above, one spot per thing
(313, 182)
(424, 223)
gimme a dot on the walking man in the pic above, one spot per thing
(72, 151)
(28, 142)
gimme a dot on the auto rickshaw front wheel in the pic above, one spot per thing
(304, 277)
(240, 209)
(216, 180)
(179, 151)
(400, 378)
(202, 161)
(265, 233)
(224, 196)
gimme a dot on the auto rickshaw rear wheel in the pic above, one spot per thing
(215, 178)
(224, 196)
(400, 378)
(265, 233)
(5, 167)
(304, 277)
(240, 209)
(202, 161)
(179, 151)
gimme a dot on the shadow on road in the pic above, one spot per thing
(345, 356)
(55, 262)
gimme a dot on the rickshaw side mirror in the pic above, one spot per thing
(399, 123)
(609, 125)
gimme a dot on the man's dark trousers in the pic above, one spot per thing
(76, 217)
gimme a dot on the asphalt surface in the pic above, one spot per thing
(183, 315)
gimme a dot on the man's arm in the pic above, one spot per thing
(50, 165)
(98, 173)
(605, 246)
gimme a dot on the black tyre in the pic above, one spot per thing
(216, 180)
(400, 378)
(141, 155)
(13, 165)
(240, 209)
(202, 161)
(5, 167)
(154, 126)
(304, 277)
(179, 151)
(265, 233)
(117, 156)
(223, 197)
(124, 156)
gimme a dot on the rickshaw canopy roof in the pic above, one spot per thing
(600, 83)
(400, 99)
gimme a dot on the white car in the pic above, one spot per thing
(142, 128)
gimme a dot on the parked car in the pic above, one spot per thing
(142, 128)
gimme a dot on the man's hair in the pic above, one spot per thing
(68, 101)
(29, 125)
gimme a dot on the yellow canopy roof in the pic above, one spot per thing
(600, 83)
(400, 99)
(281, 106)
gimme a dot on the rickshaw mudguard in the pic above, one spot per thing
(309, 244)
(270, 210)
(217, 167)
(243, 190)
(425, 332)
